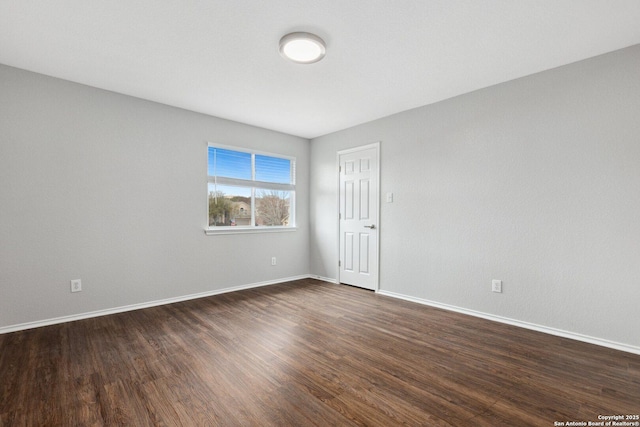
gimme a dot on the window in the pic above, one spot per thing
(248, 190)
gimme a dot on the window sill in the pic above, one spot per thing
(247, 230)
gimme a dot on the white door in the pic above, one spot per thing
(359, 216)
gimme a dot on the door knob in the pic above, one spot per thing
(372, 226)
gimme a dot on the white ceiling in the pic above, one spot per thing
(220, 57)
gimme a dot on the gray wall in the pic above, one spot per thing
(112, 190)
(535, 182)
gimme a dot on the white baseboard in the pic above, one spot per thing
(513, 322)
(324, 279)
(519, 323)
(122, 309)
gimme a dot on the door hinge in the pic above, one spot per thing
(340, 215)
(339, 168)
(339, 263)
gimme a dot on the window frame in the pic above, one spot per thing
(254, 186)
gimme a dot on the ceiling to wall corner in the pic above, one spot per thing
(221, 57)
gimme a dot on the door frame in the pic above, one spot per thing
(375, 145)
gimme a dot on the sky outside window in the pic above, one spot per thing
(230, 190)
(273, 169)
(237, 164)
(229, 163)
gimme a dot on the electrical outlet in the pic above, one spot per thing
(496, 286)
(273, 260)
(76, 285)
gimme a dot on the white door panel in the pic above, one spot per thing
(359, 217)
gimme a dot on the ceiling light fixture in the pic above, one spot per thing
(302, 48)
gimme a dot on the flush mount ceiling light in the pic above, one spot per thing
(302, 48)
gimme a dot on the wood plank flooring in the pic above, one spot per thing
(306, 353)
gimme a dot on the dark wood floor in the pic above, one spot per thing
(306, 353)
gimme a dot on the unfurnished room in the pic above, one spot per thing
(320, 213)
